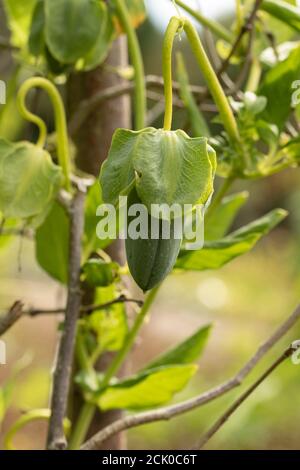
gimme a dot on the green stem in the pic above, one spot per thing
(130, 339)
(88, 409)
(213, 83)
(172, 29)
(60, 121)
(82, 426)
(137, 62)
(212, 25)
(211, 78)
(254, 76)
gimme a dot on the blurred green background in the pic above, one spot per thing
(245, 301)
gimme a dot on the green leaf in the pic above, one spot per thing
(19, 14)
(52, 244)
(117, 173)
(283, 11)
(98, 273)
(197, 120)
(91, 243)
(218, 224)
(168, 167)
(216, 254)
(184, 353)
(36, 41)
(148, 389)
(281, 30)
(100, 49)
(29, 180)
(277, 88)
(72, 28)
(110, 324)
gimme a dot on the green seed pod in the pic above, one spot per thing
(151, 260)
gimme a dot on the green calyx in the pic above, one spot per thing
(166, 167)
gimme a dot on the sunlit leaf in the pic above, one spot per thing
(19, 14)
(147, 390)
(184, 353)
(218, 224)
(217, 253)
(283, 11)
(281, 30)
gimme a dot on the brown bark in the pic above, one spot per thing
(94, 138)
(93, 142)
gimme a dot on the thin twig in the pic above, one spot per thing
(247, 27)
(215, 59)
(157, 81)
(119, 300)
(169, 412)
(239, 80)
(159, 97)
(11, 317)
(239, 401)
(56, 439)
(234, 86)
(17, 311)
(89, 105)
(85, 308)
